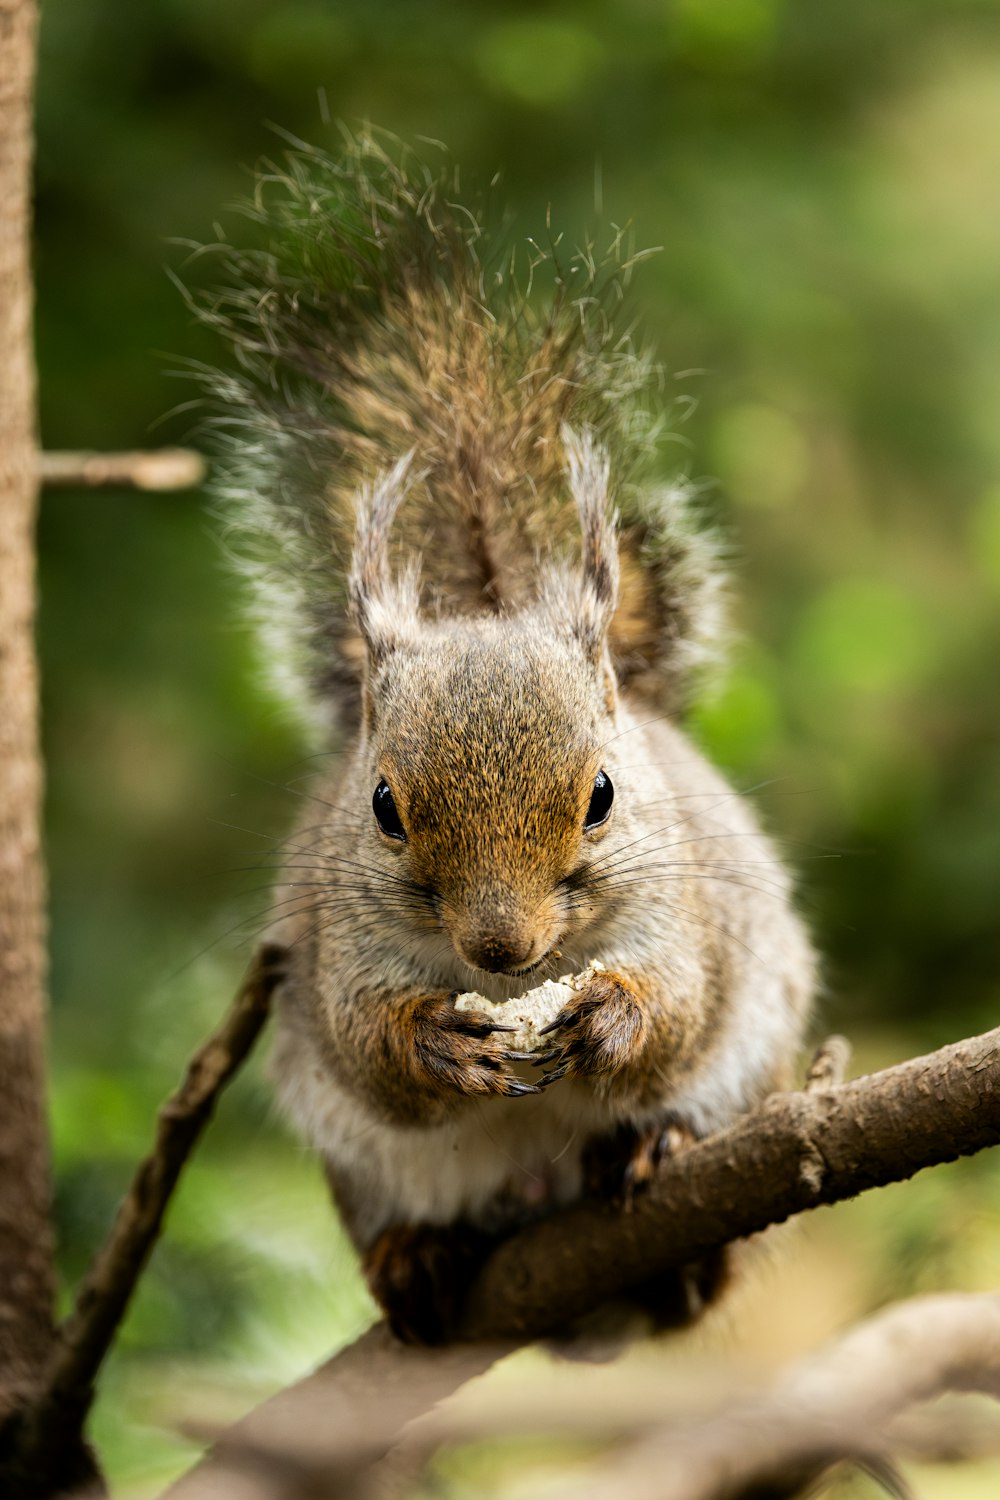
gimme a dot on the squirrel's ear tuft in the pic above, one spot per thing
(597, 597)
(385, 607)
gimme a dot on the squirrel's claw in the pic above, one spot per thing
(470, 1023)
(516, 1088)
(621, 1166)
(542, 1059)
(451, 1052)
(651, 1148)
(564, 1018)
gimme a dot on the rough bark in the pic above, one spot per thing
(796, 1152)
(26, 1263)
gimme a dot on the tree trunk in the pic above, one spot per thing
(26, 1260)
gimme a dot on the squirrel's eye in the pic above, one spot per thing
(601, 799)
(386, 816)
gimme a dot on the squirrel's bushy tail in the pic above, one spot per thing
(372, 316)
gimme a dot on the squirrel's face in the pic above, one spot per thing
(487, 781)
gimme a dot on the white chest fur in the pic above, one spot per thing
(494, 1161)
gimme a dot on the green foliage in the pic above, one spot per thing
(822, 181)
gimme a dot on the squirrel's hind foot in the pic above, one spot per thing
(679, 1296)
(618, 1168)
(420, 1275)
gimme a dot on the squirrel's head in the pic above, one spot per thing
(484, 737)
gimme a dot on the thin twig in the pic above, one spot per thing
(159, 469)
(104, 1295)
(829, 1066)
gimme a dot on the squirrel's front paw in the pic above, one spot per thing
(601, 1031)
(460, 1051)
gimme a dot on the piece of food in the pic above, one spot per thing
(530, 1013)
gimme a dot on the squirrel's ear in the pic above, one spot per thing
(597, 597)
(385, 607)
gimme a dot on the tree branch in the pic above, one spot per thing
(842, 1403)
(160, 469)
(60, 1406)
(834, 1405)
(797, 1151)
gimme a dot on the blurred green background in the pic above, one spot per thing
(824, 181)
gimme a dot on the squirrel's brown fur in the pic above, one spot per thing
(436, 466)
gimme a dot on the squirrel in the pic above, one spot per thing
(441, 482)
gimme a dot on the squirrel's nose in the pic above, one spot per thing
(498, 952)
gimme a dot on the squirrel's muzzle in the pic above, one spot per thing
(498, 933)
(498, 952)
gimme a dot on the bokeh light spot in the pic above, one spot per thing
(865, 636)
(984, 535)
(739, 723)
(738, 30)
(538, 61)
(759, 454)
